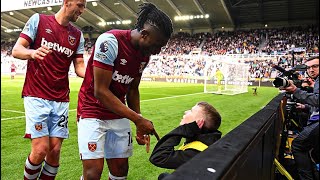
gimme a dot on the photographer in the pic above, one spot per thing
(305, 141)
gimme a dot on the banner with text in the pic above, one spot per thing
(8, 5)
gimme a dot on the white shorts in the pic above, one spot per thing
(46, 118)
(13, 73)
(104, 138)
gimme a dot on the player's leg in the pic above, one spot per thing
(58, 130)
(33, 164)
(37, 112)
(91, 140)
(51, 163)
(92, 169)
(118, 168)
(12, 75)
(219, 85)
(118, 148)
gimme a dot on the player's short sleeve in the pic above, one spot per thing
(106, 49)
(31, 27)
(80, 49)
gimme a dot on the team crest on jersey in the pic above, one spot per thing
(92, 146)
(104, 46)
(72, 40)
(142, 66)
(38, 126)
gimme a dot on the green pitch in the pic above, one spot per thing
(162, 103)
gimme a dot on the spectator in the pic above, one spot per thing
(200, 128)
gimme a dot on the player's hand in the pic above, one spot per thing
(141, 138)
(41, 52)
(145, 128)
(145, 140)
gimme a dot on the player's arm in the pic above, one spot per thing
(79, 67)
(102, 80)
(21, 48)
(78, 62)
(133, 95)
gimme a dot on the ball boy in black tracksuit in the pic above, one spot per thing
(200, 128)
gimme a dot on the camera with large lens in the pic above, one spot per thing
(282, 80)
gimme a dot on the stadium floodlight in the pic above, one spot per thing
(13, 30)
(190, 17)
(8, 30)
(102, 23)
(232, 78)
(94, 3)
(126, 22)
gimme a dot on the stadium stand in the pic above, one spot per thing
(176, 58)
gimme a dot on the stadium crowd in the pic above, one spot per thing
(265, 46)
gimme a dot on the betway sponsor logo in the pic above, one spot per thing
(121, 78)
(57, 47)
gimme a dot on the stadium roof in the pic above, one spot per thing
(226, 13)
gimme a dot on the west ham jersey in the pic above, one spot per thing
(48, 78)
(113, 51)
(13, 68)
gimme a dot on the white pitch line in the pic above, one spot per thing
(18, 117)
(12, 111)
(170, 97)
(140, 101)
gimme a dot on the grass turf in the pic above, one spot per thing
(162, 103)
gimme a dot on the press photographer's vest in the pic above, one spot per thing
(197, 145)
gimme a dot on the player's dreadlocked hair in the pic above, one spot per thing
(150, 14)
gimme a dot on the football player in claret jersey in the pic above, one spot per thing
(13, 68)
(112, 80)
(49, 43)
